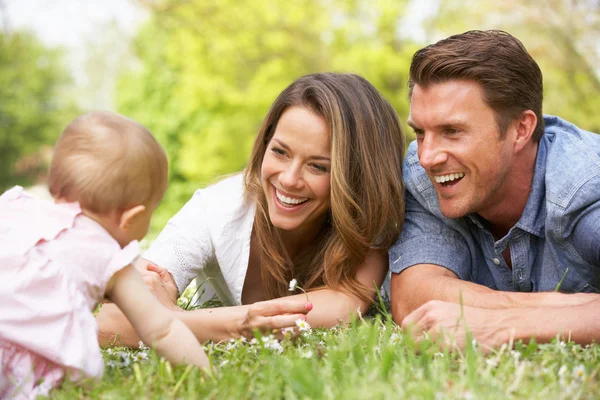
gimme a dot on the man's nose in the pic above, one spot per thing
(431, 152)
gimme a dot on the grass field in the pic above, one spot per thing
(369, 359)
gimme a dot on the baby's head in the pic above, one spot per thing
(114, 168)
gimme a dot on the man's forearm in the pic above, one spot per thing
(420, 284)
(578, 323)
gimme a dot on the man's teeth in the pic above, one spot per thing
(449, 177)
(289, 200)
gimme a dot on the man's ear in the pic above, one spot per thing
(524, 127)
(129, 215)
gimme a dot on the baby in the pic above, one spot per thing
(59, 260)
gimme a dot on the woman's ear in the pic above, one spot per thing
(129, 215)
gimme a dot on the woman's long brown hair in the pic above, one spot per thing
(367, 192)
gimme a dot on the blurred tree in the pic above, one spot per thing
(563, 36)
(210, 70)
(32, 110)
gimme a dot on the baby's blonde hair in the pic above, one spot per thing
(108, 162)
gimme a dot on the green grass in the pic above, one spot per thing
(370, 359)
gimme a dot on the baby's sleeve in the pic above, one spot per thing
(184, 246)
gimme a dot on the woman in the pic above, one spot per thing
(321, 201)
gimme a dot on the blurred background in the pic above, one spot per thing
(201, 74)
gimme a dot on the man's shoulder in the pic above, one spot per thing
(415, 177)
(572, 163)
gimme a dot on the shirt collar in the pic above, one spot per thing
(534, 215)
(533, 219)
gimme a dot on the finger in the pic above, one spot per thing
(281, 306)
(155, 268)
(277, 322)
(414, 317)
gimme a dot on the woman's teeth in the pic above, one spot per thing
(289, 200)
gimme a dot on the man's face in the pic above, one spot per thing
(460, 147)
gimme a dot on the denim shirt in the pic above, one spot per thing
(559, 227)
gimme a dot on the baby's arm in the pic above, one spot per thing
(154, 323)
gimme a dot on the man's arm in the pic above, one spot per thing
(448, 324)
(422, 283)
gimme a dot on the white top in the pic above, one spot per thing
(209, 239)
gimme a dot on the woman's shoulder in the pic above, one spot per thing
(226, 194)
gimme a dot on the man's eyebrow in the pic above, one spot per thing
(412, 125)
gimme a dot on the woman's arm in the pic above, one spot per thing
(207, 324)
(331, 307)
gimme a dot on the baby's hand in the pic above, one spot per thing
(161, 283)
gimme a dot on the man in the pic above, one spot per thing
(502, 204)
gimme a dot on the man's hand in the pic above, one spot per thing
(449, 323)
(161, 283)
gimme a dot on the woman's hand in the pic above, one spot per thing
(273, 315)
(161, 283)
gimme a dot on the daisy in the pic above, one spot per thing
(303, 325)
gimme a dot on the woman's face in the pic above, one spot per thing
(295, 171)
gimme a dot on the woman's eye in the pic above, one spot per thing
(278, 151)
(319, 167)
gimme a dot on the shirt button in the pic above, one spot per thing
(496, 261)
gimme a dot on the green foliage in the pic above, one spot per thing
(210, 70)
(366, 360)
(32, 112)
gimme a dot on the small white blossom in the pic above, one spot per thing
(110, 351)
(492, 362)
(579, 372)
(474, 343)
(125, 359)
(516, 355)
(141, 356)
(287, 332)
(253, 341)
(293, 285)
(438, 355)
(303, 325)
(562, 371)
(307, 354)
(395, 339)
(142, 346)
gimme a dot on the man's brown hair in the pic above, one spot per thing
(511, 80)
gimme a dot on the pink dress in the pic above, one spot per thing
(54, 266)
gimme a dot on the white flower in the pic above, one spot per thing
(125, 359)
(140, 356)
(579, 372)
(110, 351)
(253, 341)
(562, 371)
(293, 285)
(307, 354)
(516, 355)
(303, 325)
(438, 355)
(492, 362)
(474, 343)
(287, 331)
(142, 346)
(395, 338)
